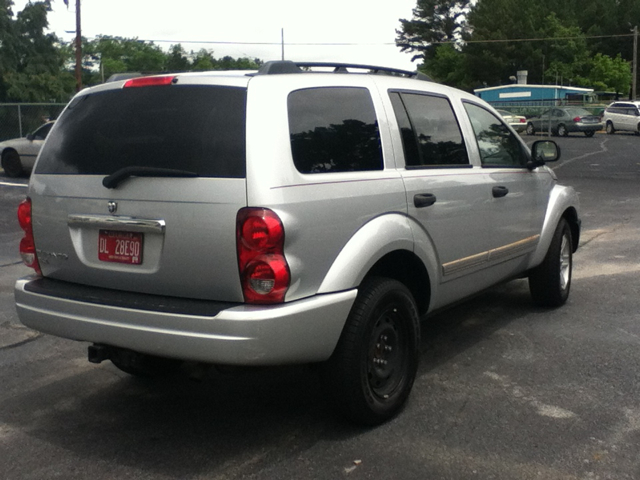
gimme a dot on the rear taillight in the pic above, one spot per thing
(577, 119)
(523, 120)
(27, 244)
(264, 271)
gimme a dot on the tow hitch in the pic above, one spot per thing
(99, 353)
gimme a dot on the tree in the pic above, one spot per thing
(177, 59)
(448, 67)
(203, 61)
(496, 38)
(434, 22)
(610, 73)
(8, 40)
(32, 63)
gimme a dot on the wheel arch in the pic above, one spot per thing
(8, 150)
(385, 246)
(571, 216)
(563, 203)
(408, 269)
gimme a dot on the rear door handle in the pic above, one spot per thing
(500, 191)
(424, 200)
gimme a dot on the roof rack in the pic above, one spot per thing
(287, 66)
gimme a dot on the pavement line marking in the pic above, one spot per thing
(563, 163)
(7, 184)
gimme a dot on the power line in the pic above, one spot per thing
(373, 44)
(294, 44)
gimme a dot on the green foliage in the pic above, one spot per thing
(610, 73)
(30, 59)
(585, 43)
(433, 22)
(448, 66)
(36, 66)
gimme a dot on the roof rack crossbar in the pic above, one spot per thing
(287, 66)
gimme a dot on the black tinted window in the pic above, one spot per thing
(430, 132)
(334, 130)
(194, 128)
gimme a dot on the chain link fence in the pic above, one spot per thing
(19, 119)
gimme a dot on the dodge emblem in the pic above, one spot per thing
(113, 206)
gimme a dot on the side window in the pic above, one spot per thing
(334, 129)
(42, 132)
(498, 146)
(430, 132)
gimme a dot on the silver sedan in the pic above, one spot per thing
(564, 120)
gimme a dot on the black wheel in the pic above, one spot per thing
(589, 134)
(550, 282)
(562, 131)
(609, 128)
(530, 129)
(371, 372)
(11, 164)
(141, 365)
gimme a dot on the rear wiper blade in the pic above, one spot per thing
(116, 177)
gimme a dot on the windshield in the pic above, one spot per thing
(200, 129)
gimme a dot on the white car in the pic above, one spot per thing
(19, 154)
(517, 122)
(622, 116)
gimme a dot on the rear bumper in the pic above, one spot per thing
(585, 127)
(297, 332)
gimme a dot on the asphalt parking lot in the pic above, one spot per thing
(505, 390)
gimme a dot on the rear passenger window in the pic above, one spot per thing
(334, 129)
(430, 132)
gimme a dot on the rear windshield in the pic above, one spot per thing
(199, 129)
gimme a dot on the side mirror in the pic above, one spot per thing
(543, 151)
(30, 137)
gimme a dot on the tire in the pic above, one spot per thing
(11, 164)
(373, 367)
(562, 131)
(589, 134)
(609, 128)
(550, 282)
(141, 365)
(530, 129)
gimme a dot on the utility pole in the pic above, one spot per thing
(78, 49)
(634, 74)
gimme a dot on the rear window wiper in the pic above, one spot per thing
(116, 177)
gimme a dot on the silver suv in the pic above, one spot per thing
(284, 216)
(622, 116)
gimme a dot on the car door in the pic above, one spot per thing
(32, 147)
(445, 193)
(624, 117)
(631, 118)
(516, 208)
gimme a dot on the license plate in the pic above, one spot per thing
(120, 247)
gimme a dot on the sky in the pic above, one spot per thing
(371, 25)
